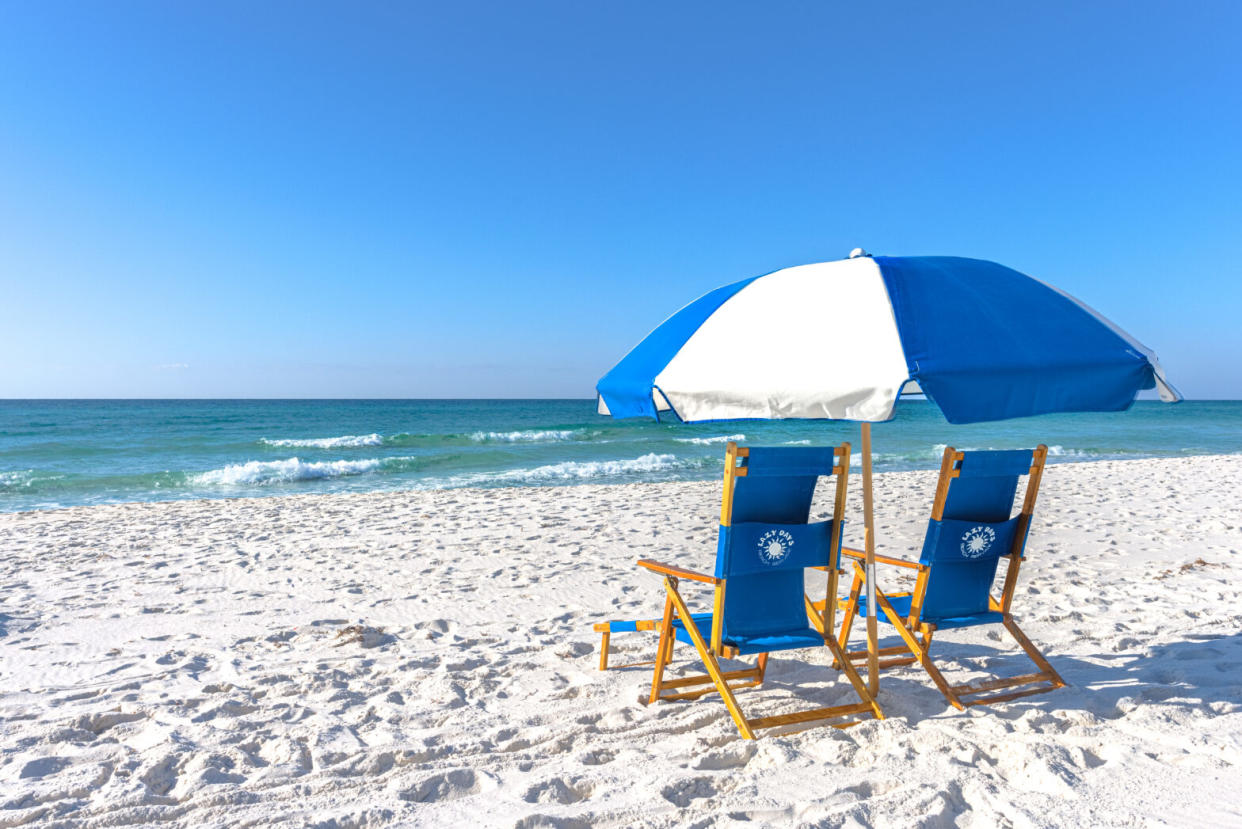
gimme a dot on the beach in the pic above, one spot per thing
(426, 657)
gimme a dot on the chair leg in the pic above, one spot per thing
(956, 694)
(1044, 680)
(919, 651)
(663, 650)
(1040, 682)
(851, 673)
(603, 651)
(941, 683)
(1033, 652)
(709, 661)
(851, 610)
(675, 608)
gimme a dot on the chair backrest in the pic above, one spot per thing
(765, 539)
(973, 527)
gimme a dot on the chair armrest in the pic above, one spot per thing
(676, 572)
(896, 562)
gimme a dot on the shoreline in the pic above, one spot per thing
(88, 454)
(427, 657)
(855, 475)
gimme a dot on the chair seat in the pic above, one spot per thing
(784, 640)
(902, 605)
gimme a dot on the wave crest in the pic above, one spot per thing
(590, 469)
(291, 469)
(16, 478)
(526, 436)
(707, 441)
(327, 443)
(1054, 451)
(571, 471)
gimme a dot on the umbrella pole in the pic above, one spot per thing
(873, 654)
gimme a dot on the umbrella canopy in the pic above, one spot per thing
(844, 339)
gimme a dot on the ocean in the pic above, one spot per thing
(56, 453)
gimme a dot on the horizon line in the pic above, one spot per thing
(905, 399)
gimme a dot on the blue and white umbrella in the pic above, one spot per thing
(844, 340)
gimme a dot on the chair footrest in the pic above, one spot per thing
(969, 688)
(896, 663)
(886, 663)
(888, 651)
(810, 716)
(711, 689)
(701, 679)
(629, 665)
(1042, 689)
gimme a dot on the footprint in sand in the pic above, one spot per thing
(597, 758)
(440, 787)
(558, 790)
(683, 792)
(735, 756)
(99, 723)
(43, 766)
(551, 822)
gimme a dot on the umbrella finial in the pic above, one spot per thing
(857, 252)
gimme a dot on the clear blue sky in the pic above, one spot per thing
(456, 199)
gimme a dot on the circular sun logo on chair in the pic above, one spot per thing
(774, 546)
(977, 541)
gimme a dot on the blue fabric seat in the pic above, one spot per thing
(746, 645)
(902, 605)
(702, 620)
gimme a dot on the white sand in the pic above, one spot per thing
(196, 663)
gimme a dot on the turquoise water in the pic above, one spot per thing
(62, 453)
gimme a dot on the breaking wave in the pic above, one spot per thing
(291, 469)
(590, 469)
(1056, 451)
(327, 443)
(707, 441)
(431, 440)
(16, 478)
(577, 471)
(528, 436)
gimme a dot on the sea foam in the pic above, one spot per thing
(327, 443)
(707, 441)
(590, 469)
(291, 469)
(1055, 451)
(16, 478)
(526, 435)
(566, 471)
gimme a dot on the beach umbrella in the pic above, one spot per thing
(844, 340)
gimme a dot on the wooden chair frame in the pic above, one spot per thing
(917, 634)
(711, 651)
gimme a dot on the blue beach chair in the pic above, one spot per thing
(971, 529)
(760, 606)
